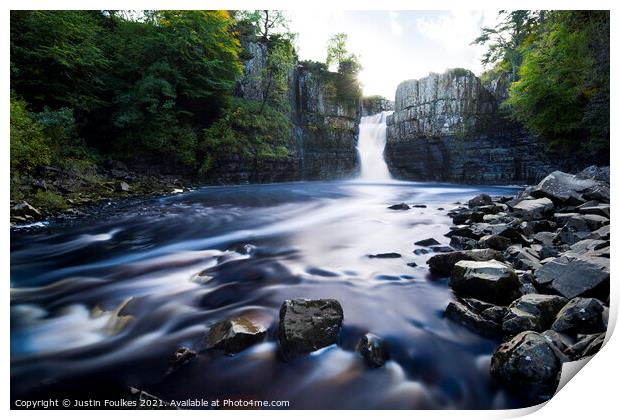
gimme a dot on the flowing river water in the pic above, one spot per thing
(176, 264)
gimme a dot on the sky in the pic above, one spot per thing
(395, 45)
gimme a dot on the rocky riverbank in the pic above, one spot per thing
(534, 270)
(59, 193)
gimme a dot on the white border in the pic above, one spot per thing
(592, 395)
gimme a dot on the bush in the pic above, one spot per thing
(29, 147)
(48, 200)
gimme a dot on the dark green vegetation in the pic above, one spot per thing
(557, 64)
(158, 91)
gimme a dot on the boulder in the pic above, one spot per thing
(595, 208)
(533, 312)
(427, 242)
(421, 251)
(534, 209)
(601, 233)
(528, 365)
(419, 206)
(373, 349)
(234, 335)
(581, 316)
(460, 243)
(522, 258)
(308, 325)
(480, 200)
(491, 281)
(560, 341)
(463, 315)
(560, 186)
(444, 263)
(400, 206)
(496, 242)
(466, 232)
(26, 211)
(572, 277)
(598, 173)
(122, 187)
(587, 345)
(441, 248)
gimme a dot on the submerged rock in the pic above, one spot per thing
(308, 325)
(529, 365)
(444, 263)
(181, 357)
(400, 206)
(491, 281)
(234, 335)
(373, 349)
(581, 316)
(427, 242)
(532, 312)
(386, 255)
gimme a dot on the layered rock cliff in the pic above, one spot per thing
(324, 125)
(448, 127)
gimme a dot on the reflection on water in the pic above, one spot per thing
(104, 303)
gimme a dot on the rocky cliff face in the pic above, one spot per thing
(372, 105)
(324, 126)
(448, 127)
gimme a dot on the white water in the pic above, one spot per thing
(370, 147)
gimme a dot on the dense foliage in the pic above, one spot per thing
(559, 68)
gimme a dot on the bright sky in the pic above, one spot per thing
(395, 45)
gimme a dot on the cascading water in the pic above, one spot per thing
(370, 147)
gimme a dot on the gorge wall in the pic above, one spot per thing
(448, 127)
(324, 126)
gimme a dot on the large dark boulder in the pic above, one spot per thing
(491, 281)
(528, 365)
(572, 277)
(427, 242)
(308, 325)
(234, 335)
(373, 349)
(533, 312)
(444, 263)
(522, 258)
(560, 186)
(581, 316)
(400, 206)
(480, 200)
(496, 242)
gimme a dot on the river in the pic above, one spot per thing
(187, 260)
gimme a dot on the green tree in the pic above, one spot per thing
(29, 147)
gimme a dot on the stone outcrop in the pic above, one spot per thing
(372, 105)
(449, 127)
(324, 127)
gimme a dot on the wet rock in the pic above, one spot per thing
(421, 251)
(496, 242)
(412, 264)
(419, 206)
(572, 277)
(534, 312)
(495, 313)
(601, 233)
(560, 186)
(528, 365)
(587, 345)
(560, 341)
(308, 325)
(25, 211)
(427, 242)
(491, 281)
(400, 206)
(461, 216)
(441, 248)
(122, 187)
(461, 243)
(461, 314)
(386, 255)
(181, 357)
(466, 232)
(444, 263)
(581, 316)
(534, 209)
(526, 285)
(373, 349)
(522, 258)
(594, 207)
(234, 335)
(480, 200)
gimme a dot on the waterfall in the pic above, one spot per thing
(372, 137)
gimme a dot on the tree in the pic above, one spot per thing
(337, 50)
(266, 23)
